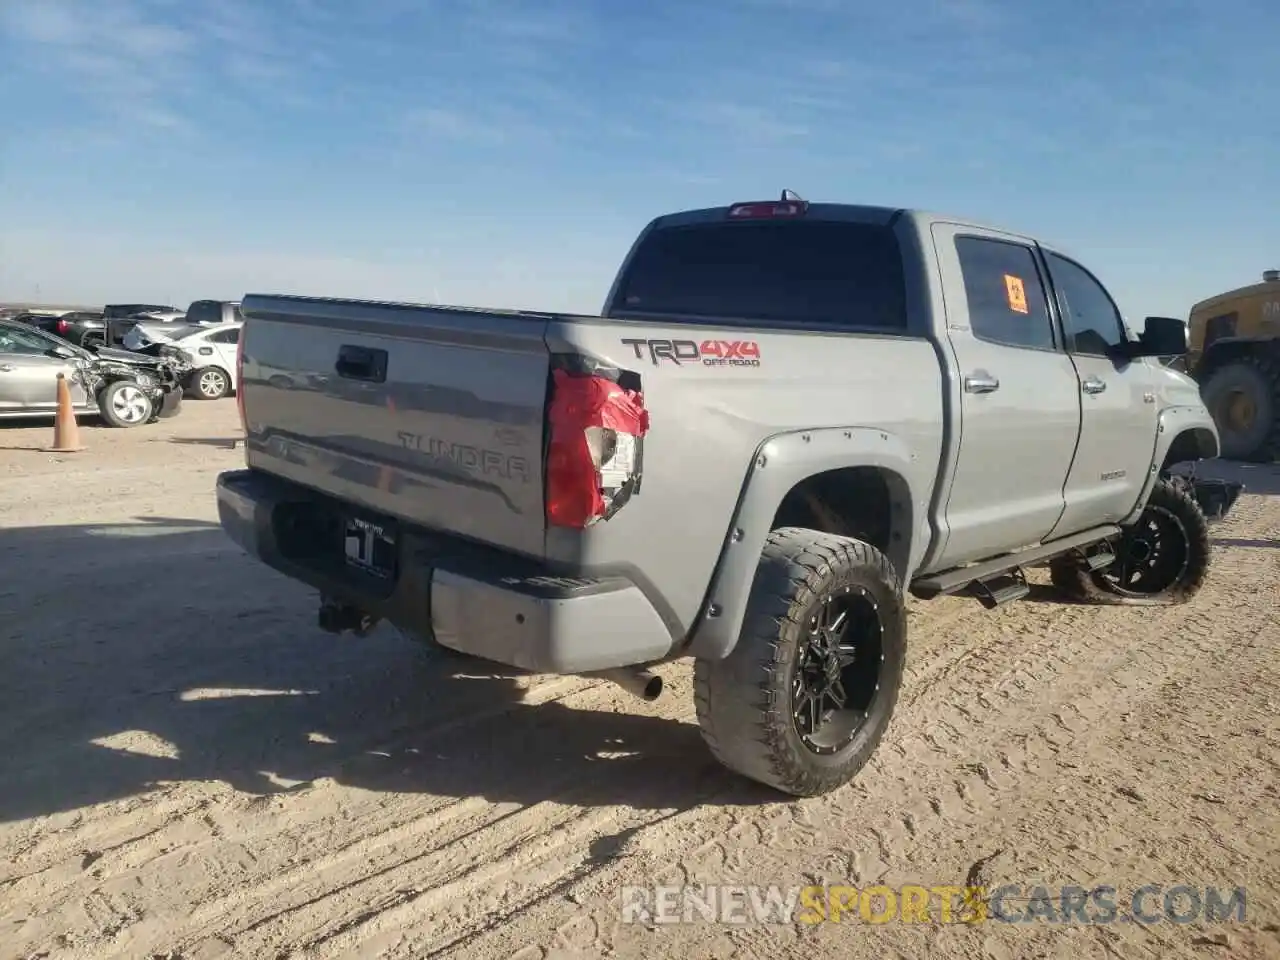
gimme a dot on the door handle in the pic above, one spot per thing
(1093, 385)
(361, 363)
(6, 368)
(981, 382)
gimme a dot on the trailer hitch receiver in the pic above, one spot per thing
(338, 617)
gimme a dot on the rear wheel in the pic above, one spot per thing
(210, 383)
(124, 404)
(1163, 558)
(803, 700)
(1244, 399)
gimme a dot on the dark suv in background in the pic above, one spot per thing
(120, 318)
(213, 311)
(91, 329)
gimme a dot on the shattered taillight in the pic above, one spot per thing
(593, 458)
(244, 423)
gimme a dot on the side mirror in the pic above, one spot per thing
(63, 352)
(1162, 337)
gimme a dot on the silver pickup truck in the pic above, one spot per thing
(787, 416)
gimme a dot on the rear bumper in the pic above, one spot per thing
(465, 598)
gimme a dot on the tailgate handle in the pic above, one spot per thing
(362, 363)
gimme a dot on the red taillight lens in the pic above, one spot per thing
(593, 459)
(244, 423)
(63, 326)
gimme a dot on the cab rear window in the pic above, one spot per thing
(816, 272)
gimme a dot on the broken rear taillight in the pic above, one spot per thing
(593, 458)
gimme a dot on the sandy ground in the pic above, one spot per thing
(191, 769)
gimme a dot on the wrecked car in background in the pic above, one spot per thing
(210, 348)
(126, 389)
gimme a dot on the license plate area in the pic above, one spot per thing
(370, 546)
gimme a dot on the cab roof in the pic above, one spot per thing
(878, 215)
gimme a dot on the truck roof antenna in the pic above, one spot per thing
(791, 195)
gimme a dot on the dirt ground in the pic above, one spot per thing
(191, 769)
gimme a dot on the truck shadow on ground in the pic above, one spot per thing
(155, 652)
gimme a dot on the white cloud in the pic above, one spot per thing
(124, 63)
(138, 63)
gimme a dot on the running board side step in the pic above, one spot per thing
(1001, 589)
(1096, 561)
(953, 581)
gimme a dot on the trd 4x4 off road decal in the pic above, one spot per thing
(709, 353)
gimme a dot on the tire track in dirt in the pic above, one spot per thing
(945, 737)
(1051, 692)
(183, 833)
(192, 830)
(992, 701)
(414, 902)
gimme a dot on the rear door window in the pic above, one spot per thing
(1006, 298)
(815, 272)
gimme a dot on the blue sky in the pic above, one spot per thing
(505, 153)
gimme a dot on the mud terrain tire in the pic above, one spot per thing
(756, 707)
(1171, 513)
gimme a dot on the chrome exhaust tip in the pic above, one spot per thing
(641, 683)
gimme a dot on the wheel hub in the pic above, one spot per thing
(129, 404)
(837, 669)
(211, 383)
(1240, 411)
(1153, 556)
(1140, 550)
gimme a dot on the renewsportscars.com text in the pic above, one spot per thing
(912, 903)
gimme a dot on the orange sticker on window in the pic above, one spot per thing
(1016, 293)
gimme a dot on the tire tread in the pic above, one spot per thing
(1076, 581)
(741, 720)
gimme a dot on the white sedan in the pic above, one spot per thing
(211, 350)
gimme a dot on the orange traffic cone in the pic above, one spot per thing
(66, 432)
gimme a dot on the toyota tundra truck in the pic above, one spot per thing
(788, 417)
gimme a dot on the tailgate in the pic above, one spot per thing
(430, 415)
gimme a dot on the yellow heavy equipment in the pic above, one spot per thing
(1233, 342)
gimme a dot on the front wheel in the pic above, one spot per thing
(124, 404)
(803, 700)
(1162, 559)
